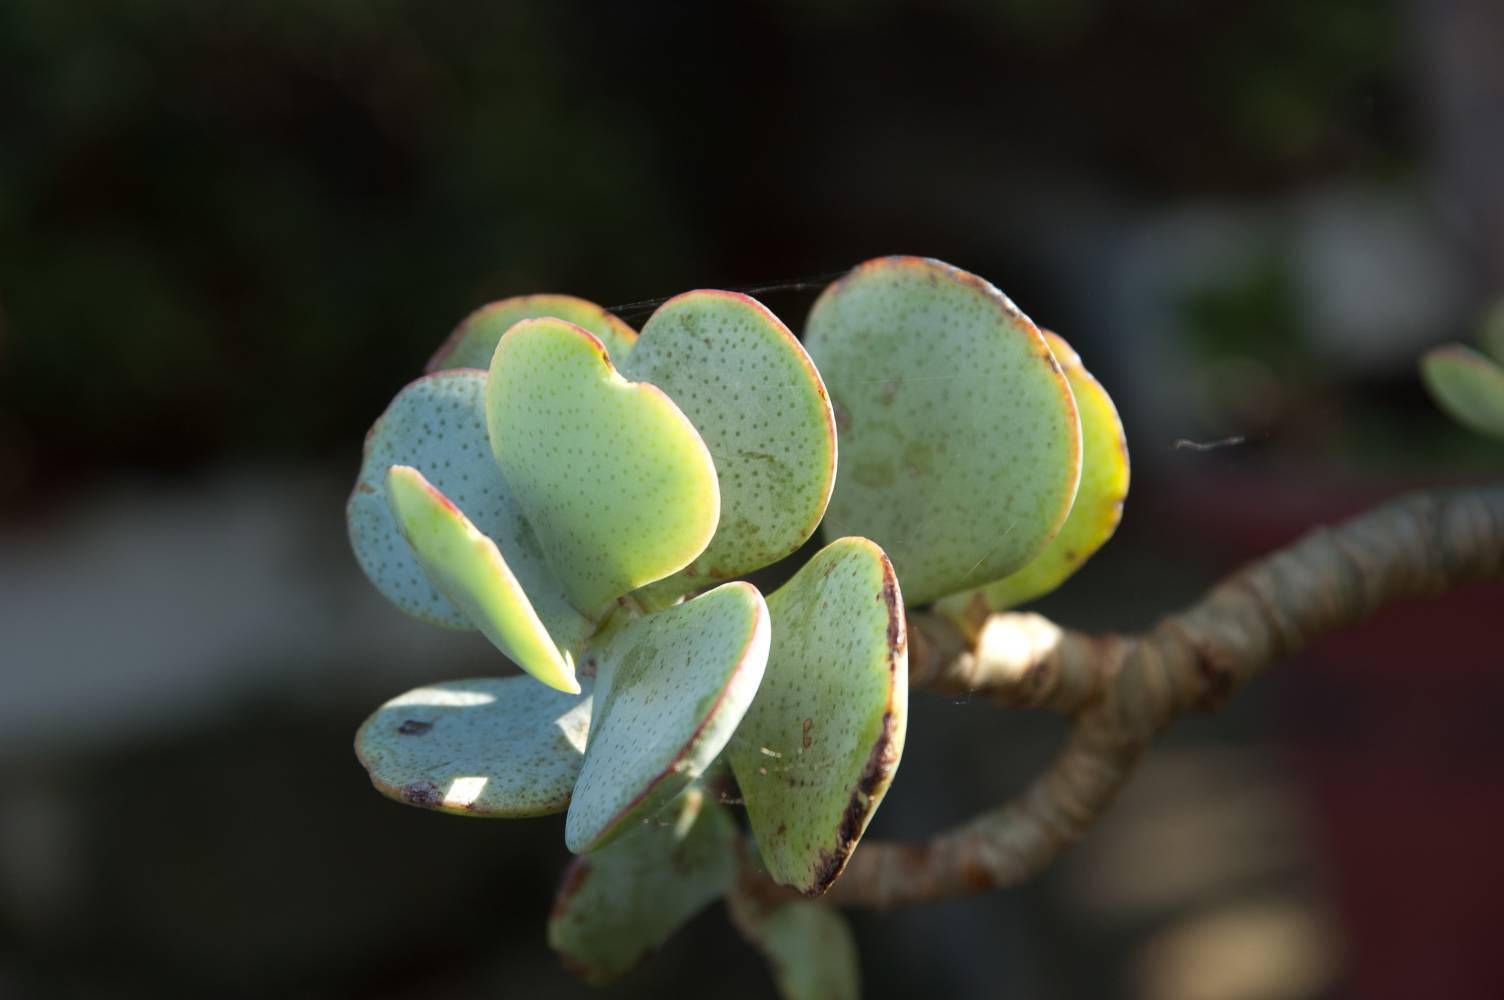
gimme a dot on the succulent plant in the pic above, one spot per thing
(587, 497)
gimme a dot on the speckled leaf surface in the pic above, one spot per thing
(437, 425)
(671, 688)
(1093, 517)
(502, 747)
(1468, 386)
(622, 902)
(738, 373)
(467, 568)
(474, 341)
(809, 947)
(611, 474)
(960, 446)
(820, 745)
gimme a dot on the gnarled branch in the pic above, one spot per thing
(1122, 691)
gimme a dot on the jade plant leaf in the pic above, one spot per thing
(467, 568)
(753, 393)
(503, 747)
(622, 902)
(1093, 517)
(437, 425)
(808, 946)
(611, 474)
(474, 341)
(1467, 385)
(671, 688)
(820, 745)
(960, 444)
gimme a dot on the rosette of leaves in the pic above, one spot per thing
(586, 497)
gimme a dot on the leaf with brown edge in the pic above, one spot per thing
(498, 747)
(617, 905)
(474, 341)
(1093, 517)
(819, 747)
(670, 690)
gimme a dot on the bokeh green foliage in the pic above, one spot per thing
(1469, 384)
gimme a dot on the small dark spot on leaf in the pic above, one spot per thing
(422, 793)
(414, 727)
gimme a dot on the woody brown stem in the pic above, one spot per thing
(1123, 691)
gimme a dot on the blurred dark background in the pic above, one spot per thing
(230, 232)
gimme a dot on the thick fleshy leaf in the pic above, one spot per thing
(820, 745)
(1093, 517)
(437, 425)
(1467, 386)
(467, 568)
(671, 688)
(611, 474)
(488, 747)
(809, 947)
(960, 445)
(738, 373)
(474, 341)
(620, 903)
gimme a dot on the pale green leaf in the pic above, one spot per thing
(809, 947)
(615, 480)
(960, 445)
(672, 687)
(738, 373)
(474, 341)
(437, 426)
(466, 567)
(1467, 386)
(622, 902)
(502, 747)
(1093, 517)
(819, 747)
